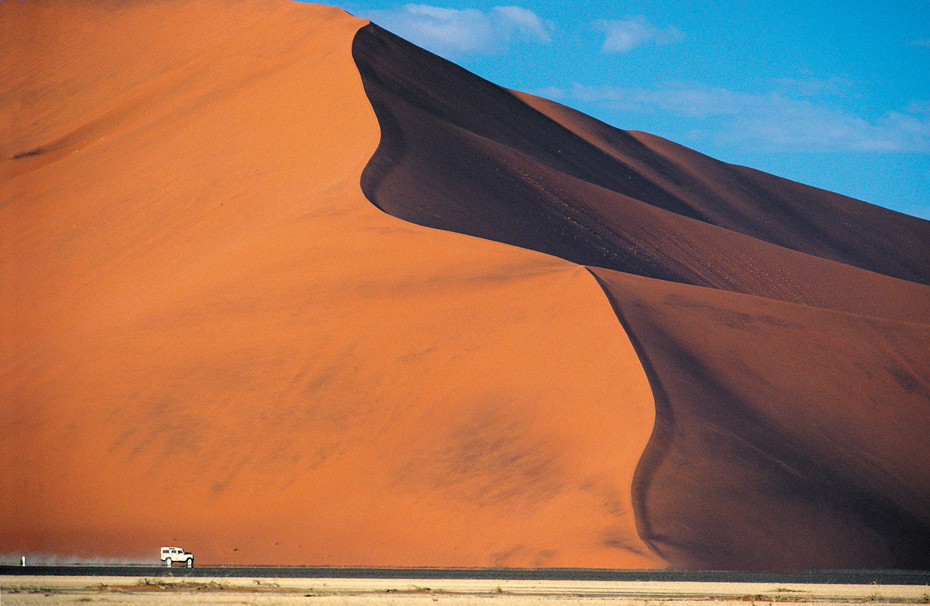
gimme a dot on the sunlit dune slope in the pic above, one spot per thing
(784, 329)
(211, 338)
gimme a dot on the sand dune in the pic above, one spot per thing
(284, 289)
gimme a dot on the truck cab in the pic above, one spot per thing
(170, 555)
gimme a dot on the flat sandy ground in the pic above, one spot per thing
(410, 592)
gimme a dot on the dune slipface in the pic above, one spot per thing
(211, 338)
(784, 329)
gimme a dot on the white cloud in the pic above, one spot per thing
(524, 21)
(461, 32)
(812, 86)
(920, 107)
(625, 35)
(921, 42)
(770, 121)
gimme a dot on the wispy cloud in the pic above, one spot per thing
(463, 32)
(812, 86)
(626, 34)
(771, 121)
(919, 107)
(921, 42)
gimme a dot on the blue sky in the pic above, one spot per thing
(832, 94)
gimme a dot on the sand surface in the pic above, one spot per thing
(67, 590)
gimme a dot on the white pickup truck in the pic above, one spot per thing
(170, 555)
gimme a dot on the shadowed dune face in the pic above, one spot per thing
(783, 328)
(766, 207)
(212, 339)
(473, 127)
(798, 434)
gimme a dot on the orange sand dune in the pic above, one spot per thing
(282, 288)
(212, 339)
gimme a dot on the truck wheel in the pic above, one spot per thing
(190, 562)
(168, 562)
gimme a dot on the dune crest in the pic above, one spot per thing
(213, 339)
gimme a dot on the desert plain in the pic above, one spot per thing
(415, 592)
